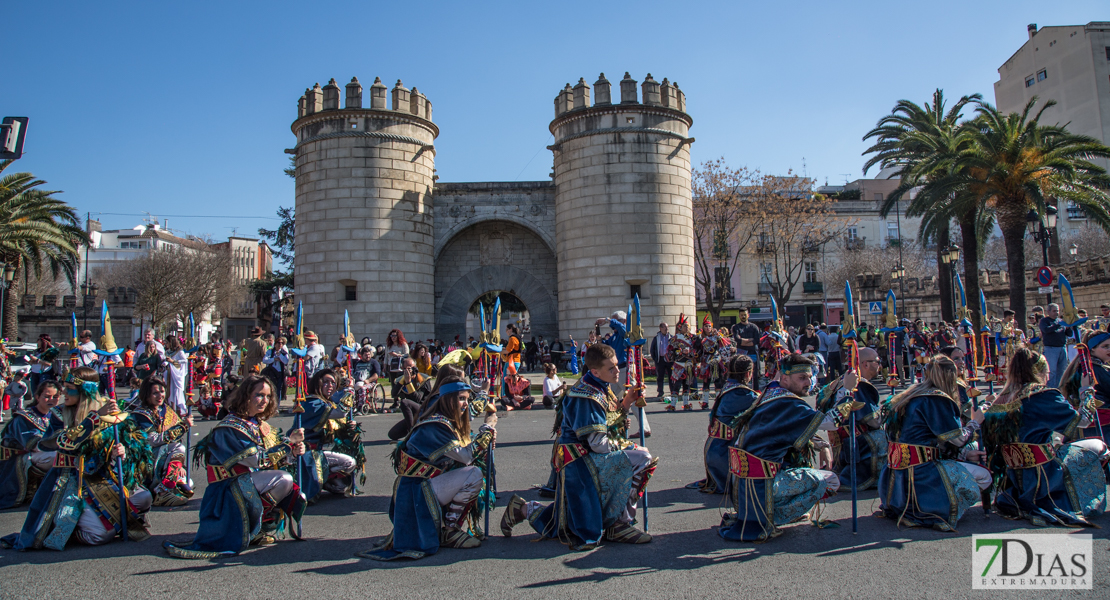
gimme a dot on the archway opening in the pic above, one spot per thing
(513, 310)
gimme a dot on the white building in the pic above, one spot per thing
(1071, 65)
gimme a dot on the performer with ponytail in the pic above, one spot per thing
(165, 431)
(1088, 375)
(249, 499)
(601, 474)
(736, 397)
(1044, 484)
(929, 479)
(439, 475)
(23, 463)
(81, 494)
(772, 483)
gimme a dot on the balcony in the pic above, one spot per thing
(855, 243)
(766, 288)
(728, 293)
(813, 287)
(764, 247)
(1076, 212)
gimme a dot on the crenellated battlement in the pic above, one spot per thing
(323, 99)
(654, 93)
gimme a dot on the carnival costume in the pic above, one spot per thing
(1044, 484)
(871, 442)
(715, 348)
(771, 481)
(601, 476)
(166, 431)
(439, 481)
(682, 354)
(81, 492)
(249, 499)
(734, 399)
(22, 462)
(326, 423)
(919, 485)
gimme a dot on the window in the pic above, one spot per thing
(721, 250)
(1042, 75)
(765, 271)
(811, 272)
(633, 290)
(131, 245)
(853, 233)
(1108, 53)
(350, 293)
(892, 231)
(1029, 81)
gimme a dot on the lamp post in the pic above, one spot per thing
(5, 283)
(951, 257)
(1041, 231)
(1073, 250)
(898, 273)
(89, 291)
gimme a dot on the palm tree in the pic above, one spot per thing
(922, 144)
(1015, 165)
(36, 230)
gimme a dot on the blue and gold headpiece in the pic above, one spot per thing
(454, 386)
(798, 368)
(89, 387)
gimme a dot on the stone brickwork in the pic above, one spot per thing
(623, 205)
(364, 212)
(495, 255)
(618, 214)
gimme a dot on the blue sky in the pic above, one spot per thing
(184, 108)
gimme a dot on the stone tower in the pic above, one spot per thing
(623, 214)
(364, 213)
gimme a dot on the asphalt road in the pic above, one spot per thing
(686, 560)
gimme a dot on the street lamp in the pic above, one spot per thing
(1074, 251)
(5, 283)
(950, 257)
(1041, 231)
(898, 273)
(89, 291)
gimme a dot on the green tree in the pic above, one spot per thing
(923, 143)
(1015, 165)
(37, 232)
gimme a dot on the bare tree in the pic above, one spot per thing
(724, 224)
(1089, 240)
(794, 224)
(172, 282)
(848, 262)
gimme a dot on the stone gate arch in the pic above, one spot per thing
(498, 255)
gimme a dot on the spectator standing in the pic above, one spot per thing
(14, 393)
(277, 361)
(396, 349)
(1054, 336)
(747, 336)
(660, 344)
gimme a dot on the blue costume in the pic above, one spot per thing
(433, 450)
(917, 487)
(247, 498)
(771, 482)
(594, 490)
(734, 399)
(166, 431)
(325, 423)
(83, 479)
(871, 442)
(1047, 485)
(19, 443)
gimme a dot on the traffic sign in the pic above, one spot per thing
(1045, 289)
(1044, 276)
(875, 308)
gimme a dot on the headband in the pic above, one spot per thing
(454, 386)
(1097, 339)
(1041, 366)
(89, 387)
(798, 368)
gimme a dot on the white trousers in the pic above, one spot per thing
(459, 486)
(340, 463)
(91, 529)
(42, 460)
(981, 474)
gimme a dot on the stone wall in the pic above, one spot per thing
(623, 205)
(495, 255)
(364, 212)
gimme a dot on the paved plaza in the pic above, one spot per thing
(686, 559)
